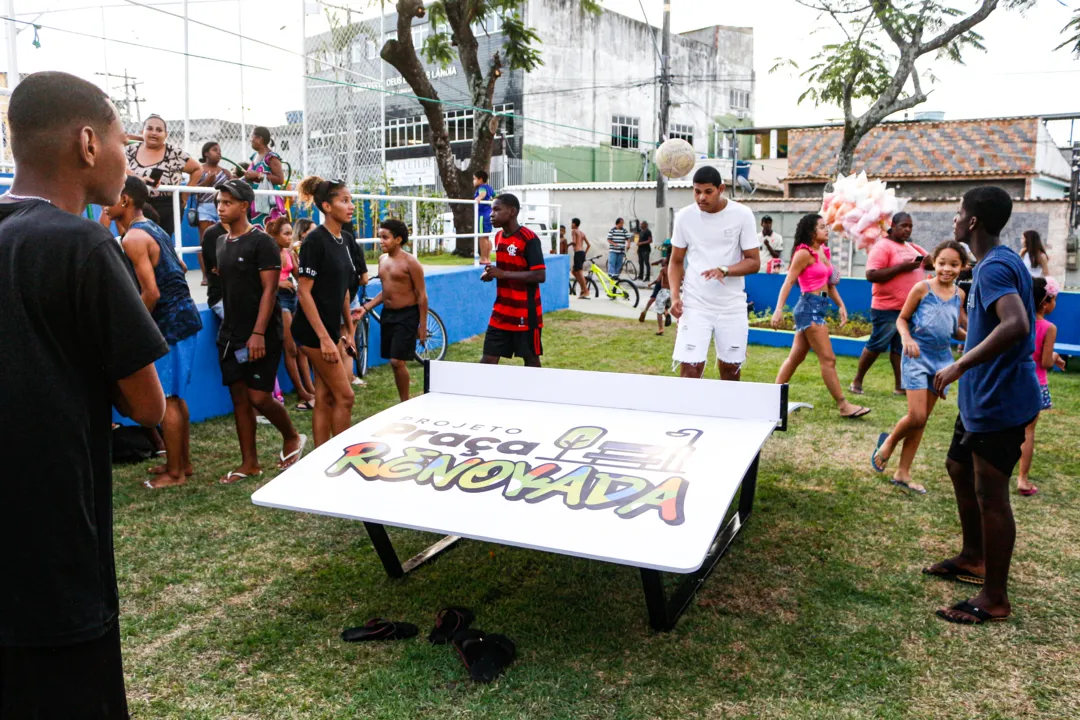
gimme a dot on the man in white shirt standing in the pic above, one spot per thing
(772, 246)
(717, 239)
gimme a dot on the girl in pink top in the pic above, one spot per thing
(811, 266)
(1045, 291)
(296, 363)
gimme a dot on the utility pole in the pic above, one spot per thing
(131, 86)
(665, 109)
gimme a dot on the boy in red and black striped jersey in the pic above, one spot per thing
(517, 319)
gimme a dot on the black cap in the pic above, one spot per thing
(766, 219)
(239, 189)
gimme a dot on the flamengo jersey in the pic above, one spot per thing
(517, 304)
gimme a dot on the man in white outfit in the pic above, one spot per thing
(717, 240)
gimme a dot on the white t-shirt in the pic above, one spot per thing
(775, 240)
(713, 240)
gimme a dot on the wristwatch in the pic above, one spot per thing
(724, 269)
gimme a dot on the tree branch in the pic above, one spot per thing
(961, 27)
(882, 10)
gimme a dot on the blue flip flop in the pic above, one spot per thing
(873, 456)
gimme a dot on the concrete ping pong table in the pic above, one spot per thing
(630, 469)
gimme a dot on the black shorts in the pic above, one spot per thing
(579, 260)
(1000, 448)
(399, 333)
(655, 290)
(258, 375)
(525, 344)
(85, 680)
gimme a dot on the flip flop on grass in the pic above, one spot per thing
(873, 456)
(952, 571)
(918, 490)
(379, 629)
(485, 656)
(859, 412)
(448, 622)
(978, 615)
(856, 391)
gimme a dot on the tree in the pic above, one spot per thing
(452, 24)
(1072, 26)
(859, 69)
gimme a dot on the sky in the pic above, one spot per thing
(1020, 73)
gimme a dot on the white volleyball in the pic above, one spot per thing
(676, 158)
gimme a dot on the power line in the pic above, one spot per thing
(132, 44)
(250, 39)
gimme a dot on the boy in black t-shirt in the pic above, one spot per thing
(405, 302)
(79, 340)
(250, 341)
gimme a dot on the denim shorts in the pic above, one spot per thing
(288, 301)
(208, 212)
(885, 336)
(810, 310)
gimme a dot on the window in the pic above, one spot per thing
(415, 130)
(739, 99)
(490, 25)
(418, 35)
(624, 131)
(372, 50)
(723, 143)
(683, 132)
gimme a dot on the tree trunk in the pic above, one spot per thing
(402, 55)
(845, 161)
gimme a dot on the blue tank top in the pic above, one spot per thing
(935, 320)
(175, 313)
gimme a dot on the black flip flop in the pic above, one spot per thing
(861, 412)
(981, 616)
(956, 573)
(485, 656)
(379, 629)
(448, 622)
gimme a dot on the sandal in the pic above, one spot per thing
(855, 391)
(906, 486)
(954, 572)
(859, 412)
(873, 456)
(379, 629)
(448, 622)
(1028, 492)
(981, 616)
(235, 476)
(287, 461)
(305, 406)
(485, 656)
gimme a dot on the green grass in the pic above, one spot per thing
(818, 610)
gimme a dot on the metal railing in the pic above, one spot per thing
(414, 231)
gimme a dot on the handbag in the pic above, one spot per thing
(193, 211)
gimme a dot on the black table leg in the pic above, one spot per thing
(385, 549)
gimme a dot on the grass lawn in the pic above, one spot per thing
(818, 611)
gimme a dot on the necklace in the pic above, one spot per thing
(15, 197)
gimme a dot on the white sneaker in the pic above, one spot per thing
(359, 382)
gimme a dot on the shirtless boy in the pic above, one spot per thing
(581, 246)
(404, 300)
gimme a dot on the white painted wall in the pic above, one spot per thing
(586, 55)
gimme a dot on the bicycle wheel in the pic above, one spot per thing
(361, 340)
(435, 347)
(629, 268)
(626, 292)
(594, 289)
(573, 286)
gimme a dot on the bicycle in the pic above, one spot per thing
(433, 349)
(618, 290)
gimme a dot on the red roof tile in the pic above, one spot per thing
(962, 148)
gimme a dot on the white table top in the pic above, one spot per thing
(647, 489)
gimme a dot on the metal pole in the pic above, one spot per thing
(415, 229)
(12, 51)
(240, 45)
(665, 98)
(303, 79)
(734, 159)
(187, 93)
(105, 54)
(382, 83)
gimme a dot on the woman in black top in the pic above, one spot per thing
(326, 272)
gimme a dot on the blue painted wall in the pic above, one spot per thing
(762, 290)
(463, 302)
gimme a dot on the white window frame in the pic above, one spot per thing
(681, 131)
(625, 132)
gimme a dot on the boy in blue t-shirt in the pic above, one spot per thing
(999, 396)
(484, 192)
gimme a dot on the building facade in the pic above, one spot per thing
(589, 112)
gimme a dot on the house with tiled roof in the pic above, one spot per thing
(936, 159)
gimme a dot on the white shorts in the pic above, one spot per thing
(730, 331)
(662, 297)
